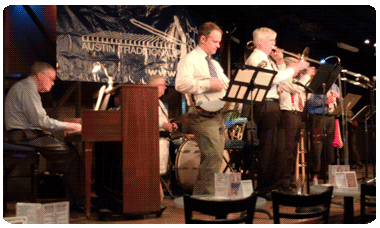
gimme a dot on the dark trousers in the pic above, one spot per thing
(60, 157)
(354, 156)
(266, 115)
(289, 136)
(322, 152)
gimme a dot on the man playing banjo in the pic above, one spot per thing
(200, 76)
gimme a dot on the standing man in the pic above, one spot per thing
(197, 73)
(267, 113)
(323, 128)
(28, 124)
(292, 103)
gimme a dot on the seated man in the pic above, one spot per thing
(27, 123)
(164, 124)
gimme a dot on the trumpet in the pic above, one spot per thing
(251, 46)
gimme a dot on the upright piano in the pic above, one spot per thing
(135, 125)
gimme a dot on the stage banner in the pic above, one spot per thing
(131, 42)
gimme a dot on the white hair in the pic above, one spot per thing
(261, 33)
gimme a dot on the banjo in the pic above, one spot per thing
(211, 104)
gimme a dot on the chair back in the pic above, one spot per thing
(367, 199)
(220, 209)
(314, 206)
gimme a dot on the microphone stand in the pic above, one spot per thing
(345, 133)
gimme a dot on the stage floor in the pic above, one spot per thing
(175, 215)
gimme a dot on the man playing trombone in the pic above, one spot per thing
(267, 113)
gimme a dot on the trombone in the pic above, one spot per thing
(250, 46)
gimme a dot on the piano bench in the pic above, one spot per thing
(14, 155)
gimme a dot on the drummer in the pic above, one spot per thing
(165, 126)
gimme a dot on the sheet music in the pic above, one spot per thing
(242, 91)
(257, 94)
(263, 78)
(244, 75)
(50, 213)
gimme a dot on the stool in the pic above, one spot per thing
(300, 160)
(19, 155)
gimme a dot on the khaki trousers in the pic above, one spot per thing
(209, 134)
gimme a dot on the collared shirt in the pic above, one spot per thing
(193, 73)
(287, 88)
(23, 109)
(283, 73)
(315, 102)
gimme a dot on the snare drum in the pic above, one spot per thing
(187, 163)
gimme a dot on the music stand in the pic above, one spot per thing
(249, 84)
(321, 83)
(324, 78)
(362, 116)
(348, 103)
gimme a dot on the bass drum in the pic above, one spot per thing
(187, 163)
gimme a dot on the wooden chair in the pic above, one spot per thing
(14, 155)
(302, 201)
(220, 209)
(365, 201)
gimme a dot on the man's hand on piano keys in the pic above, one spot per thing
(73, 126)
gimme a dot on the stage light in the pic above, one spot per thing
(367, 41)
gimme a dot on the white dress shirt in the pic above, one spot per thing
(164, 142)
(193, 73)
(162, 115)
(283, 73)
(287, 88)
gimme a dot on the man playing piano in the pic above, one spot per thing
(28, 124)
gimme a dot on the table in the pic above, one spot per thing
(348, 195)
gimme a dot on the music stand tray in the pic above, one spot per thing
(348, 103)
(249, 84)
(326, 75)
(364, 114)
